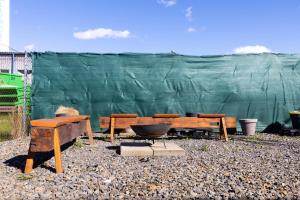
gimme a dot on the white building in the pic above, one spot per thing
(4, 25)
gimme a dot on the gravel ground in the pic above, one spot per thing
(260, 167)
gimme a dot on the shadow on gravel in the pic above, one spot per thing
(114, 148)
(39, 159)
(256, 140)
(105, 139)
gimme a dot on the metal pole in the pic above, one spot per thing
(12, 66)
(25, 95)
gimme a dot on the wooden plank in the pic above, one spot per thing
(166, 115)
(211, 115)
(224, 128)
(89, 131)
(230, 122)
(124, 115)
(105, 122)
(112, 128)
(182, 122)
(58, 121)
(41, 139)
(57, 152)
(29, 162)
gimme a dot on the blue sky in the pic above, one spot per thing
(194, 27)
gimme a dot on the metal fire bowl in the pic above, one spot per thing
(151, 130)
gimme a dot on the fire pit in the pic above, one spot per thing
(151, 131)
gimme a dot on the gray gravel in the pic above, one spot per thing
(260, 167)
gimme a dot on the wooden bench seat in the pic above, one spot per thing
(51, 134)
(216, 121)
(57, 121)
(166, 115)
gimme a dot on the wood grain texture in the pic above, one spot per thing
(181, 122)
(166, 115)
(45, 137)
(57, 121)
(57, 152)
(224, 129)
(124, 115)
(211, 115)
(89, 131)
(112, 128)
(217, 122)
(29, 163)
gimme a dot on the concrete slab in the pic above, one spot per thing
(171, 149)
(145, 149)
(135, 149)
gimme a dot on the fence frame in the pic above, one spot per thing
(19, 63)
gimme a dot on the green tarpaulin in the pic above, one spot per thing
(263, 86)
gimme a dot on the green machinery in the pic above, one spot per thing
(12, 90)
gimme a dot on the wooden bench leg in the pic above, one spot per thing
(112, 129)
(224, 129)
(57, 152)
(89, 131)
(29, 162)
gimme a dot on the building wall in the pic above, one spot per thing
(4, 25)
(12, 62)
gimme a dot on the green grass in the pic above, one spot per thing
(5, 127)
(23, 177)
(78, 143)
(204, 148)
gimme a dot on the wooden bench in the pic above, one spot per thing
(50, 134)
(122, 121)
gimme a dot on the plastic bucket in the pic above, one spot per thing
(248, 126)
(295, 120)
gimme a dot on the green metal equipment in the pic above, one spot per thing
(12, 90)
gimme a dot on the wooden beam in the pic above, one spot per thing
(112, 129)
(224, 129)
(57, 152)
(211, 121)
(182, 122)
(89, 131)
(29, 162)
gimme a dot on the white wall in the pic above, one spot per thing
(4, 25)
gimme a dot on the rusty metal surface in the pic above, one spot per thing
(152, 130)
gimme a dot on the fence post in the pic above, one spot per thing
(24, 118)
(12, 66)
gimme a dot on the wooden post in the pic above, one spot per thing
(89, 131)
(57, 152)
(112, 129)
(224, 131)
(29, 162)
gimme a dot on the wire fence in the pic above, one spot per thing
(15, 94)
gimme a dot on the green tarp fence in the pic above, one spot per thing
(262, 86)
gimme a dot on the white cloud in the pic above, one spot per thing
(191, 29)
(101, 33)
(29, 47)
(189, 14)
(167, 3)
(252, 49)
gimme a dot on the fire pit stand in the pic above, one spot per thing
(151, 131)
(152, 139)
